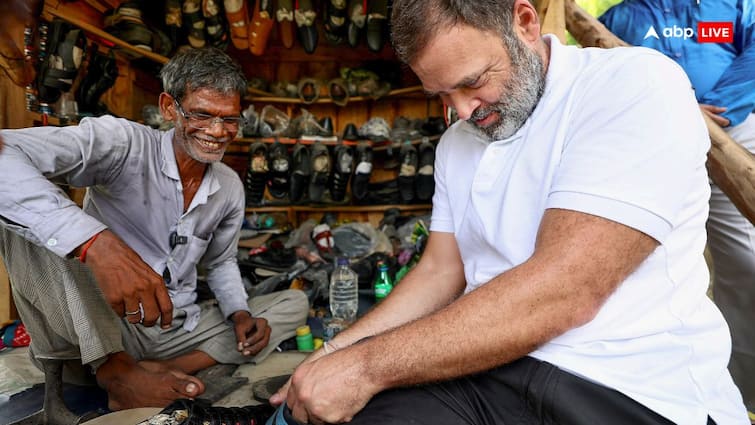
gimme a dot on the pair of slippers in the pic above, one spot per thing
(250, 31)
(415, 178)
(202, 20)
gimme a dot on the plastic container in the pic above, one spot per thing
(383, 282)
(344, 295)
(304, 340)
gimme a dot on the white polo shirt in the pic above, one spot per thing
(617, 134)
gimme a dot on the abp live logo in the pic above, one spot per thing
(715, 32)
(707, 32)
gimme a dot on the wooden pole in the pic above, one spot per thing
(730, 166)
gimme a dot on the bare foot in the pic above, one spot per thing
(130, 384)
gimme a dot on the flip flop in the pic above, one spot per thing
(238, 21)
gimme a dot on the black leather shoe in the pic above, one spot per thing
(327, 126)
(362, 173)
(256, 174)
(377, 24)
(408, 172)
(357, 19)
(321, 166)
(335, 21)
(279, 164)
(350, 132)
(302, 170)
(305, 23)
(344, 159)
(425, 182)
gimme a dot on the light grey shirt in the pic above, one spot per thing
(134, 189)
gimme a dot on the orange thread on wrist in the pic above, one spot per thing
(83, 254)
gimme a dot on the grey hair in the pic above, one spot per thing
(194, 69)
(415, 22)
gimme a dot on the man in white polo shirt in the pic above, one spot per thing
(564, 279)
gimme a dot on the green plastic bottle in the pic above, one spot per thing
(383, 282)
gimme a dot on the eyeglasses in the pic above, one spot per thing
(200, 121)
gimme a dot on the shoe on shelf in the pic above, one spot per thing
(67, 47)
(321, 166)
(357, 19)
(261, 26)
(238, 20)
(256, 173)
(301, 172)
(309, 90)
(377, 24)
(305, 15)
(284, 14)
(408, 172)
(426, 162)
(217, 31)
(194, 23)
(335, 21)
(344, 159)
(361, 180)
(375, 129)
(350, 133)
(338, 91)
(99, 78)
(251, 122)
(279, 166)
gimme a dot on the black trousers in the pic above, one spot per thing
(527, 391)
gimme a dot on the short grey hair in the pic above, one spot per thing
(415, 22)
(194, 69)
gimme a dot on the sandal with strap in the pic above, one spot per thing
(238, 21)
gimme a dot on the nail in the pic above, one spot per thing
(191, 388)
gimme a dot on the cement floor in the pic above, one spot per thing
(17, 373)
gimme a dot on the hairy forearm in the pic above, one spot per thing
(561, 287)
(424, 290)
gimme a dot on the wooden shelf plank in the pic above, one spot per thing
(264, 97)
(106, 36)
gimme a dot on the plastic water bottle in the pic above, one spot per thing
(344, 295)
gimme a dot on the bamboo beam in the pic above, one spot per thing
(554, 19)
(730, 166)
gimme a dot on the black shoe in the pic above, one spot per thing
(301, 172)
(321, 166)
(350, 133)
(408, 172)
(256, 174)
(357, 20)
(361, 180)
(377, 24)
(335, 21)
(199, 411)
(344, 159)
(279, 166)
(99, 78)
(425, 181)
(305, 23)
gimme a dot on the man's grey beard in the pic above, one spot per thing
(519, 95)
